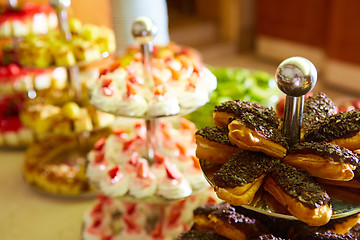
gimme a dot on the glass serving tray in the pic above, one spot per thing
(345, 202)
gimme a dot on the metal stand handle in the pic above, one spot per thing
(61, 6)
(295, 77)
(144, 31)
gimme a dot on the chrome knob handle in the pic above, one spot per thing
(295, 77)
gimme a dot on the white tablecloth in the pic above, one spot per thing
(28, 214)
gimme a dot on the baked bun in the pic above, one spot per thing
(201, 215)
(251, 127)
(304, 198)
(323, 160)
(229, 110)
(204, 235)
(239, 179)
(234, 225)
(213, 144)
(342, 129)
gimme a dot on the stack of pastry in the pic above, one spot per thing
(14, 78)
(212, 221)
(118, 166)
(15, 82)
(180, 83)
(56, 164)
(111, 218)
(253, 157)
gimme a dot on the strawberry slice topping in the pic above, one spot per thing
(172, 171)
(186, 124)
(120, 132)
(134, 158)
(131, 226)
(100, 144)
(157, 233)
(130, 90)
(159, 159)
(99, 157)
(130, 208)
(159, 90)
(196, 162)
(109, 237)
(113, 172)
(182, 148)
(105, 82)
(143, 170)
(127, 145)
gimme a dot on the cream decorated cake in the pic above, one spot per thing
(12, 131)
(111, 218)
(118, 167)
(179, 82)
(27, 18)
(56, 164)
(14, 78)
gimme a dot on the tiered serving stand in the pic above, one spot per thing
(17, 21)
(295, 77)
(157, 216)
(55, 161)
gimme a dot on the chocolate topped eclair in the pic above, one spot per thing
(323, 160)
(267, 237)
(229, 110)
(308, 232)
(342, 129)
(204, 235)
(244, 168)
(304, 198)
(201, 215)
(238, 180)
(206, 209)
(235, 225)
(258, 132)
(213, 144)
(315, 108)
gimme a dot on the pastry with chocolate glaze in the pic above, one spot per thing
(315, 233)
(342, 129)
(267, 237)
(204, 235)
(323, 160)
(201, 215)
(251, 127)
(234, 225)
(315, 108)
(227, 111)
(303, 197)
(239, 179)
(213, 144)
(343, 225)
(353, 183)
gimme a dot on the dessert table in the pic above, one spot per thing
(28, 214)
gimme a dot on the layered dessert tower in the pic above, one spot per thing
(309, 186)
(67, 126)
(149, 160)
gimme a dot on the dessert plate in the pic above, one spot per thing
(345, 202)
